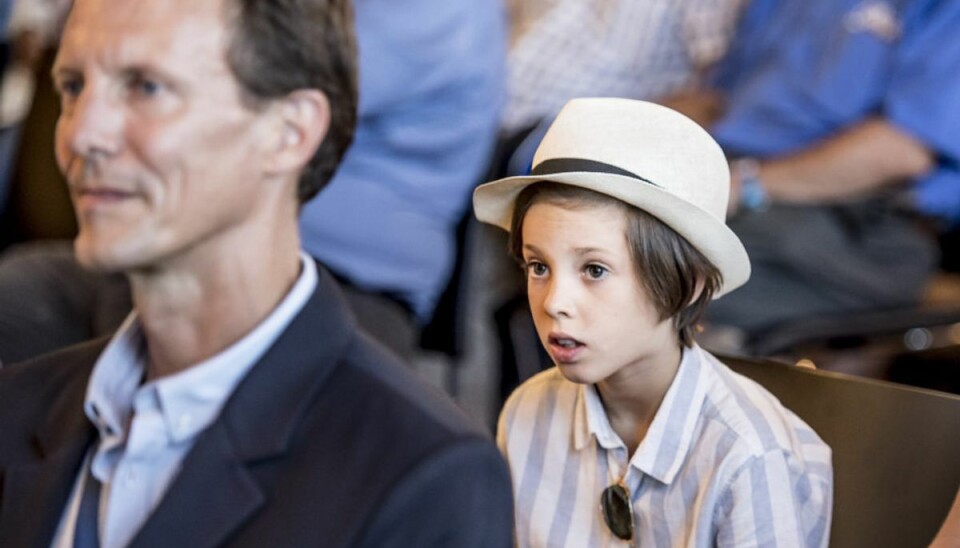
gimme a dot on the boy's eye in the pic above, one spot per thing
(595, 271)
(536, 268)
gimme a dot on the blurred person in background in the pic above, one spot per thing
(841, 117)
(27, 28)
(640, 49)
(949, 534)
(431, 89)
(27, 116)
(6, 7)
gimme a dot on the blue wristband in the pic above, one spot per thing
(753, 196)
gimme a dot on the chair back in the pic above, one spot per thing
(896, 450)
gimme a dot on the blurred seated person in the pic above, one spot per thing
(26, 29)
(563, 49)
(6, 7)
(841, 117)
(431, 88)
(949, 534)
(430, 96)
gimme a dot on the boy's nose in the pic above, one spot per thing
(556, 300)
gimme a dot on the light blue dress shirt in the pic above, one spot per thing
(431, 86)
(802, 71)
(147, 429)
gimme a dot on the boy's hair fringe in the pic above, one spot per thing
(678, 279)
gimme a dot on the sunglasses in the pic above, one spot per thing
(617, 511)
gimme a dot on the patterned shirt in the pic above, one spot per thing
(641, 49)
(722, 464)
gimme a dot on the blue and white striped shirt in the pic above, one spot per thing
(722, 464)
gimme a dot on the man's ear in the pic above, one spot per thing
(303, 118)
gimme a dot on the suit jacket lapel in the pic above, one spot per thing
(37, 492)
(215, 492)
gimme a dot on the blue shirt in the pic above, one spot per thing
(723, 463)
(7, 138)
(802, 71)
(147, 429)
(431, 84)
(6, 8)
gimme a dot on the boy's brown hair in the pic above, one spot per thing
(667, 266)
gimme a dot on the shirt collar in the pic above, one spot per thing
(191, 399)
(663, 450)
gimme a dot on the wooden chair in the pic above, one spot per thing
(896, 450)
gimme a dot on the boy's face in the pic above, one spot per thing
(591, 313)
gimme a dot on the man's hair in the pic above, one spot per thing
(667, 266)
(279, 46)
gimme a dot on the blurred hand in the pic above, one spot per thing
(703, 106)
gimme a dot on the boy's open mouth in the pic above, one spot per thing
(565, 342)
(563, 348)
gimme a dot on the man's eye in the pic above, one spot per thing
(71, 88)
(144, 87)
(595, 271)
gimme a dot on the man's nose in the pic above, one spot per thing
(93, 125)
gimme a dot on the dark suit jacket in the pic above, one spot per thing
(328, 441)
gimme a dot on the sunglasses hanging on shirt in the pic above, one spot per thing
(617, 511)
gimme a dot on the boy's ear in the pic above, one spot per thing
(302, 120)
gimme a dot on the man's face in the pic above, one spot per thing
(164, 162)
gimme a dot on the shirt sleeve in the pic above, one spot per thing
(921, 99)
(924, 80)
(771, 501)
(708, 27)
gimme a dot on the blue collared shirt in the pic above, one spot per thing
(147, 429)
(802, 71)
(431, 86)
(722, 464)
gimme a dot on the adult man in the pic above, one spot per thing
(238, 404)
(430, 88)
(843, 116)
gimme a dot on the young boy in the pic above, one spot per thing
(638, 436)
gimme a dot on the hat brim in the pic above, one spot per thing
(493, 203)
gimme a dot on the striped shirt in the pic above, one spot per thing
(641, 49)
(722, 464)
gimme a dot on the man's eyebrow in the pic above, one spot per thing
(61, 74)
(59, 70)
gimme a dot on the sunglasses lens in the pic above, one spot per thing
(615, 502)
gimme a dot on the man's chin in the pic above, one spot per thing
(97, 259)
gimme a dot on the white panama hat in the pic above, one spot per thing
(644, 154)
